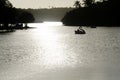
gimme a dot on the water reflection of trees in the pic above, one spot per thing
(10, 16)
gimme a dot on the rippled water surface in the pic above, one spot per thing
(53, 52)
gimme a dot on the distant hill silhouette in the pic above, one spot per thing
(98, 14)
(52, 14)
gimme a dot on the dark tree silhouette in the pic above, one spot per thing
(8, 4)
(105, 13)
(11, 15)
(7, 12)
(25, 17)
(5, 3)
(2, 3)
(77, 4)
(88, 3)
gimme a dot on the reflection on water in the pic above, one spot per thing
(53, 52)
(56, 53)
(45, 24)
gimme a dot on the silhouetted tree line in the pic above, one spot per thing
(11, 15)
(105, 13)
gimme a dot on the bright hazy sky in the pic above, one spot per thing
(42, 3)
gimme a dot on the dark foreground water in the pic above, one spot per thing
(53, 52)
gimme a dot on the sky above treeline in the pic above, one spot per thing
(42, 3)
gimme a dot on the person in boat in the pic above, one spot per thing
(80, 28)
(77, 30)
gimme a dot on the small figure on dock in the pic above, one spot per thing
(26, 26)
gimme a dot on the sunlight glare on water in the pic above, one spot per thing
(52, 23)
(45, 24)
(55, 53)
(45, 28)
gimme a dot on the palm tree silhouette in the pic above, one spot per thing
(88, 3)
(77, 4)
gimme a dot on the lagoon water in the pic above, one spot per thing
(52, 51)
